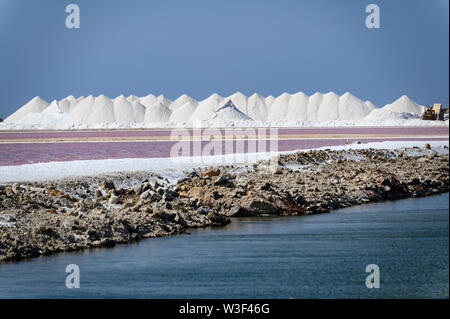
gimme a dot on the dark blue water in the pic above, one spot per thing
(322, 256)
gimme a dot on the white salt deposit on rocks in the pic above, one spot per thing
(237, 109)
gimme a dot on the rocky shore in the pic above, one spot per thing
(101, 211)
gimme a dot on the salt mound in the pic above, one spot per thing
(352, 108)
(157, 112)
(257, 108)
(80, 112)
(148, 100)
(229, 112)
(51, 117)
(279, 108)
(138, 110)
(314, 102)
(183, 112)
(36, 105)
(386, 114)
(328, 108)
(181, 101)
(131, 98)
(206, 109)
(102, 111)
(239, 101)
(269, 101)
(74, 101)
(370, 105)
(287, 109)
(297, 107)
(318, 107)
(64, 104)
(163, 100)
(126, 111)
(405, 105)
(68, 103)
(93, 111)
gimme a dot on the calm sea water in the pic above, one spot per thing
(322, 256)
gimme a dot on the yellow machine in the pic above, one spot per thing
(435, 112)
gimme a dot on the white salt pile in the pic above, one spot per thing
(229, 112)
(51, 117)
(257, 107)
(182, 100)
(402, 109)
(158, 112)
(36, 105)
(148, 100)
(206, 109)
(128, 110)
(405, 105)
(183, 112)
(297, 109)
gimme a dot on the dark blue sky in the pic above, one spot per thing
(203, 46)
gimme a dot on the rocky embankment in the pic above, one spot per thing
(44, 218)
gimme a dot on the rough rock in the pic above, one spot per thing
(44, 218)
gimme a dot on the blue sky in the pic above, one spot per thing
(200, 47)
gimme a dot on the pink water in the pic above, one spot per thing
(12, 153)
(413, 131)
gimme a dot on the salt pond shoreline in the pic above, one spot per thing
(42, 218)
